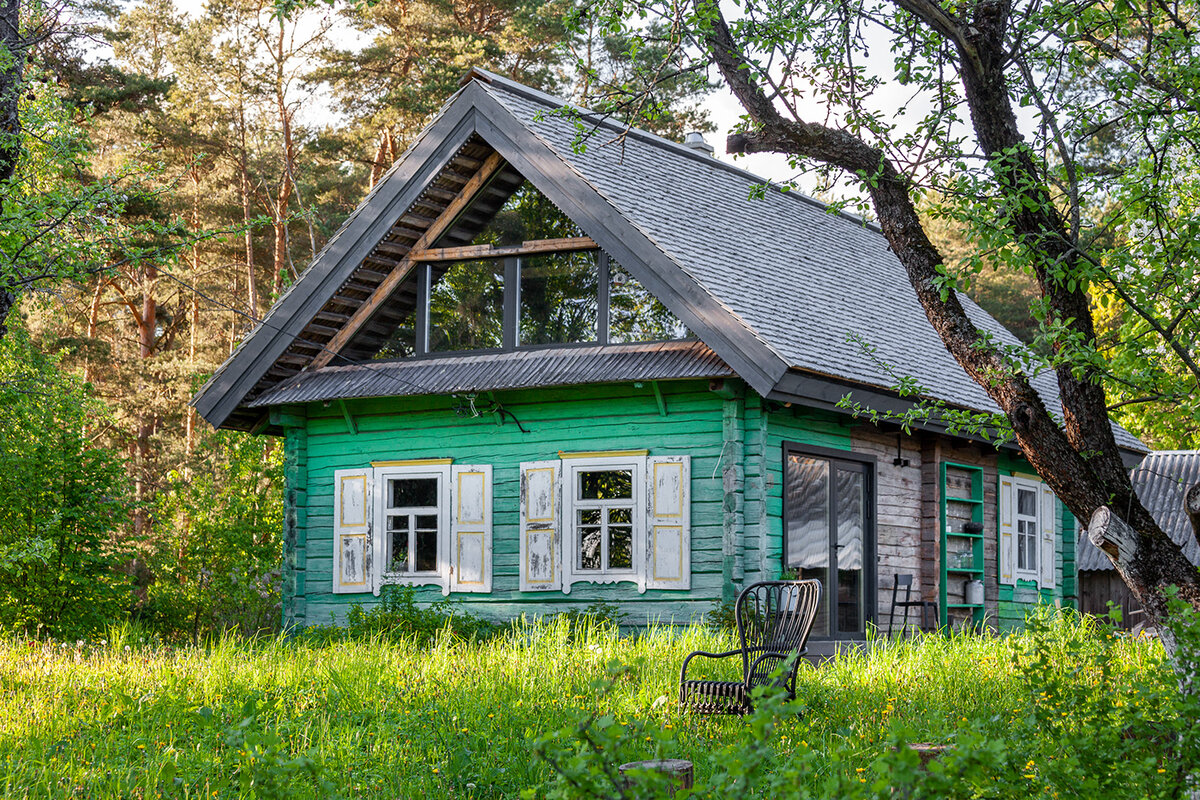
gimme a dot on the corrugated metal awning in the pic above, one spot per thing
(1160, 482)
(484, 372)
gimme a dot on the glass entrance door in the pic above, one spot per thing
(828, 536)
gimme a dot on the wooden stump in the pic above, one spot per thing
(928, 752)
(677, 770)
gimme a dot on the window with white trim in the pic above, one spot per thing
(605, 528)
(1028, 548)
(605, 518)
(413, 518)
(413, 523)
(1027, 530)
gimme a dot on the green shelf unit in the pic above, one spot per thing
(960, 554)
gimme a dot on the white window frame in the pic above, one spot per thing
(1031, 571)
(572, 468)
(440, 577)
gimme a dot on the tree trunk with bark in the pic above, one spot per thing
(1057, 453)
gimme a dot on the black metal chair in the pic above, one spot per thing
(905, 582)
(774, 619)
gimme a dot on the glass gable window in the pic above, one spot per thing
(507, 274)
(634, 314)
(466, 306)
(559, 301)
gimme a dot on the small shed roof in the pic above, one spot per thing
(482, 372)
(1160, 482)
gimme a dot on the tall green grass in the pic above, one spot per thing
(393, 718)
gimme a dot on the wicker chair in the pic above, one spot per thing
(774, 619)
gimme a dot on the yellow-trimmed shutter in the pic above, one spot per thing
(471, 528)
(1047, 566)
(540, 501)
(668, 532)
(353, 514)
(1006, 498)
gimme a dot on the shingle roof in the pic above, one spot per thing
(1160, 482)
(773, 282)
(820, 288)
(481, 372)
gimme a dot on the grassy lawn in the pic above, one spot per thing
(388, 718)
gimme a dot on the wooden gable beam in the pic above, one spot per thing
(401, 271)
(470, 252)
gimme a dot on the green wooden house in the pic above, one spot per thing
(533, 372)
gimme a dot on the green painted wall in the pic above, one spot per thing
(603, 417)
(734, 437)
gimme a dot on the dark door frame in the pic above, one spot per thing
(870, 539)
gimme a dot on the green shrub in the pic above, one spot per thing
(62, 501)
(216, 567)
(397, 617)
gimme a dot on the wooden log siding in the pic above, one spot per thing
(899, 535)
(587, 418)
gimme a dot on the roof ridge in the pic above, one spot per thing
(607, 120)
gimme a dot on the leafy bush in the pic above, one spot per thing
(397, 617)
(218, 569)
(61, 501)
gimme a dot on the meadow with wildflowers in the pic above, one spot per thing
(546, 708)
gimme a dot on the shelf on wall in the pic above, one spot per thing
(957, 511)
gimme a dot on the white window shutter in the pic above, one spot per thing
(540, 501)
(471, 528)
(1006, 499)
(1047, 567)
(352, 519)
(668, 534)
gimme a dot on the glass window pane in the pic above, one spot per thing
(807, 512)
(849, 490)
(399, 549)
(589, 516)
(1026, 503)
(589, 548)
(620, 516)
(609, 484)
(402, 342)
(426, 550)
(466, 306)
(620, 547)
(635, 315)
(413, 492)
(807, 525)
(559, 300)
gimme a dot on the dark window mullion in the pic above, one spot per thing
(512, 302)
(422, 338)
(602, 297)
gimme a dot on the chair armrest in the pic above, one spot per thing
(686, 661)
(782, 657)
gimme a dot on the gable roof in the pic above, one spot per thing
(800, 302)
(1161, 481)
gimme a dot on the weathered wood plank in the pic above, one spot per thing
(490, 251)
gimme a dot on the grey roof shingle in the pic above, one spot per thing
(813, 285)
(1160, 482)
